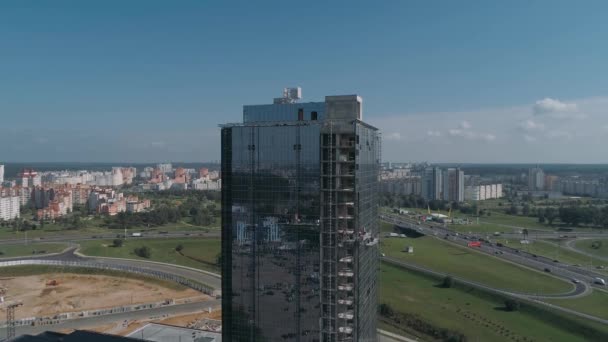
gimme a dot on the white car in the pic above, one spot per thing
(576, 281)
(599, 281)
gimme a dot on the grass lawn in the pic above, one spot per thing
(477, 315)
(595, 304)
(587, 246)
(197, 253)
(9, 251)
(517, 221)
(469, 264)
(8, 233)
(487, 228)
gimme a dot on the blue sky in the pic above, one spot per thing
(445, 80)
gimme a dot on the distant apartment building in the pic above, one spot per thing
(536, 179)
(551, 182)
(165, 168)
(29, 178)
(432, 185)
(146, 173)
(1, 174)
(483, 192)
(135, 205)
(411, 185)
(206, 184)
(180, 176)
(110, 202)
(80, 194)
(52, 203)
(203, 172)
(453, 185)
(582, 187)
(10, 208)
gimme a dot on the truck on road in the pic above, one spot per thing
(136, 235)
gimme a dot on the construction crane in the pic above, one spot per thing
(10, 313)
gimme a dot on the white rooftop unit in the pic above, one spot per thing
(290, 95)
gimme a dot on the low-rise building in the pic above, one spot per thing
(483, 192)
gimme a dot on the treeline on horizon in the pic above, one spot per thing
(12, 169)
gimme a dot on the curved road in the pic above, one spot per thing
(570, 243)
(535, 299)
(70, 254)
(567, 272)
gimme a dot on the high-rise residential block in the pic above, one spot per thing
(536, 179)
(300, 222)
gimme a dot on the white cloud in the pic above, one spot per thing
(531, 125)
(393, 136)
(557, 109)
(507, 134)
(549, 105)
(158, 144)
(557, 134)
(465, 132)
(465, 125)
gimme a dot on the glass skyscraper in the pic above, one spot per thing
(299, 222)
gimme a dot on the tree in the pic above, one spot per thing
(179, 247)
(550, 215)
(448, 282)
(143, 252)
(512, 305)
(526, 210)
(218, 259)
(117, 243)
(385, 310)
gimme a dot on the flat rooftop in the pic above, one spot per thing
(168, 333)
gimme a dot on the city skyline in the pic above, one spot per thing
(493, 84)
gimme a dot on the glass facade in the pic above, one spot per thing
(273, 178)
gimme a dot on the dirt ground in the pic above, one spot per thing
(77, 292)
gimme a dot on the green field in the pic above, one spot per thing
(516, 221)
(197, 252)
(55, 229)
(467, 263)
(486, 228)
(595, 304)
(476, 314)
(10, 251)
(587, 246)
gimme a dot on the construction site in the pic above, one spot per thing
(51, 300)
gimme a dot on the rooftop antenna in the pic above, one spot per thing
(290, 95)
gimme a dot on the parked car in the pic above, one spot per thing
(548, 270)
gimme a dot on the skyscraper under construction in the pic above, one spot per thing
(300, 222)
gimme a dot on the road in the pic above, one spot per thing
(570, 245)
(200, 276)
(561, 270)
(118, 233)
(90, 322)
(532, 298)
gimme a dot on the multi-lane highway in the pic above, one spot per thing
(555, 268)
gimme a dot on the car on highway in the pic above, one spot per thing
(599, 281)
(548, 270)
(576, 281)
